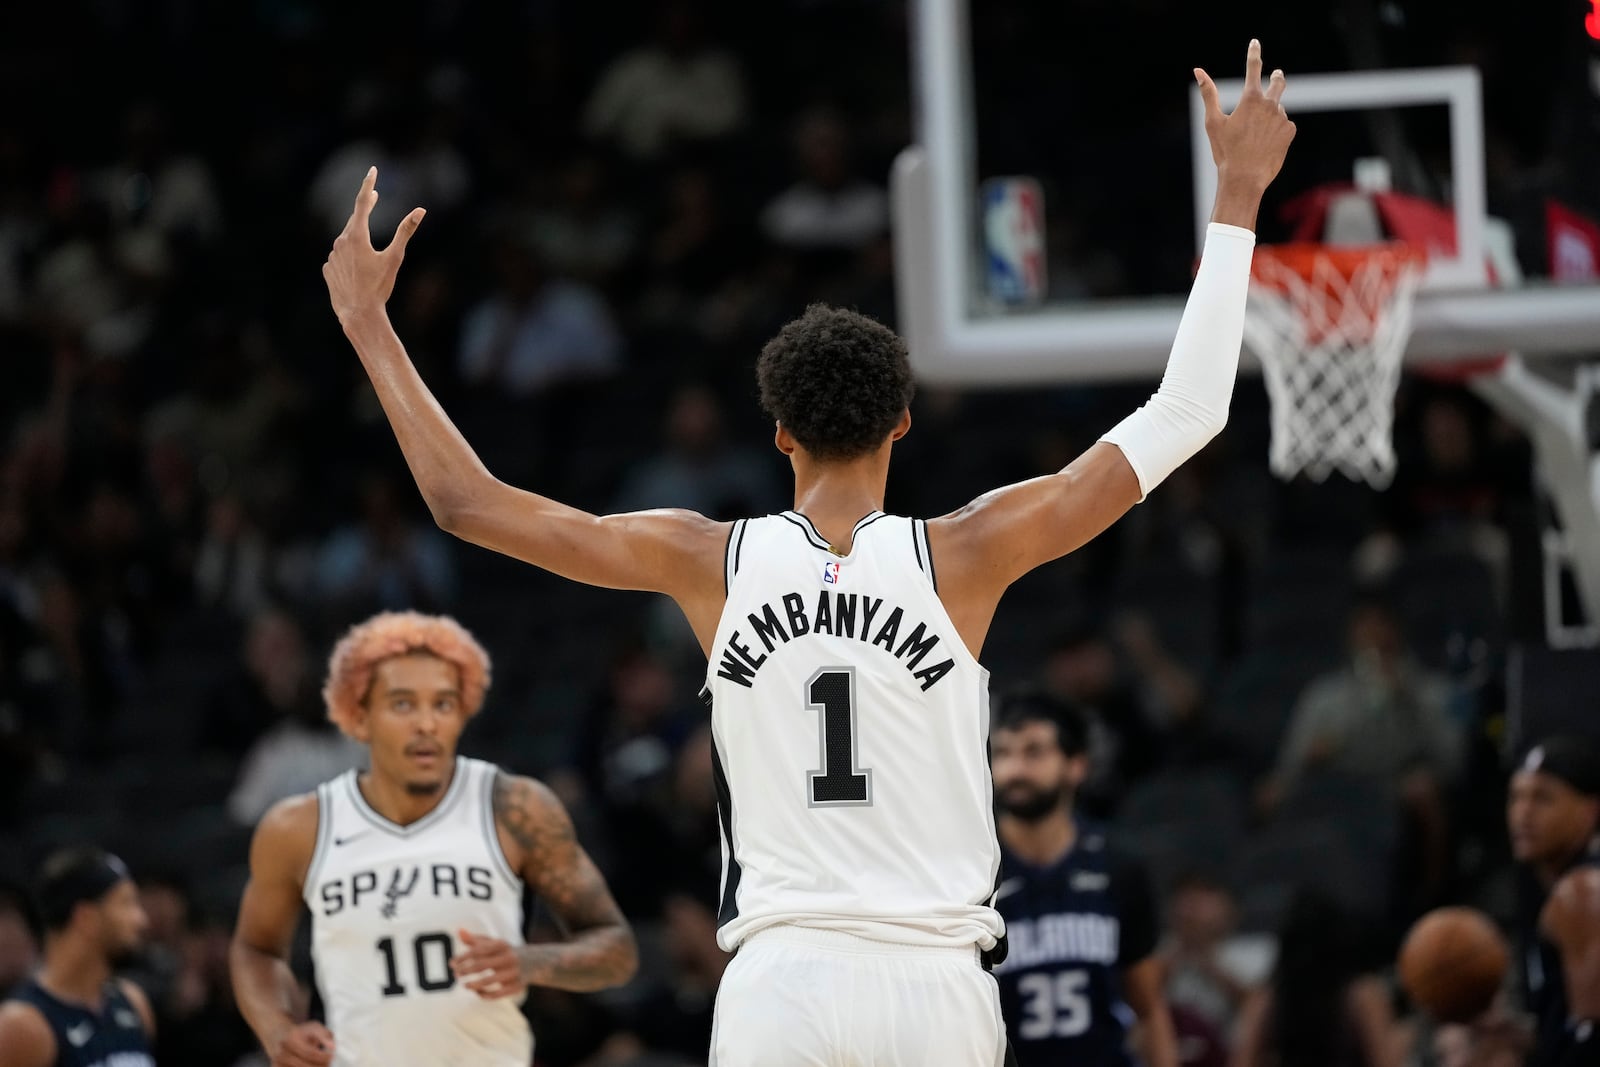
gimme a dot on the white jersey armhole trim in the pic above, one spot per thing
(502, 862)
(324, 834)
(730, 555)
(924, 551)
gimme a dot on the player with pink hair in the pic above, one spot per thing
(414, 872)
(356, 658)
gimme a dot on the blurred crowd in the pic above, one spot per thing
(198, 493)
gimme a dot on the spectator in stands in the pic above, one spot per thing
(392, 131)
(1125, 744)
(586, 235)
(627, 755)
(272, 681)
(302, 749)
(532, 332)
(830, 206)
(1211, 966)
(235, 566)
(676, 90)
(1323, 1006)
(1381, 719)
(690, 251)
(388, 561)
(698, 468)
(154, 188)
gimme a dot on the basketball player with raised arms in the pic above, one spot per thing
(413, 871)
(849, 710)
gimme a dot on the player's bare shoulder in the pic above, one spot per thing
(286, 837)
(530, 817)
(26, 1035)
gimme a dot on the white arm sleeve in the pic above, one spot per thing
(1191, 406)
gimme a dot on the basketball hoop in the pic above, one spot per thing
(1330, 324)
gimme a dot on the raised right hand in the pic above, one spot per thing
(307, 1045)
(1248, 146)
(359, 277)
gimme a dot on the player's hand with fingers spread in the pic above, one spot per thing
(307, 1045)
(489, 967)
(359, 277)
(1248, 146)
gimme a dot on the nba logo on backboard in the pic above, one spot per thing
(830, 573)
(1013, 239)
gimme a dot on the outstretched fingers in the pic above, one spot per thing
(1252, 67)
(1275, 87)
(403, 232)
(366, 198)
(1208, 94)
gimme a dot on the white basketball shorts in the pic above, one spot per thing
(798, 997)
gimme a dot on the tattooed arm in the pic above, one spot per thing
(538, 838)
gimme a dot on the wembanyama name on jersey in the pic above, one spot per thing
(859, 616)
(851, 732)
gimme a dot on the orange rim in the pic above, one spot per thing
(1302, 258)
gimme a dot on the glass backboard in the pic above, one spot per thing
(1092, 105)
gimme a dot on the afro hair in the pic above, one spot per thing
(837, 380)
(356, 657)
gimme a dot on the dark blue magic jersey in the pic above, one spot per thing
(1544, 984)
(113, 1037)
(1072, 928)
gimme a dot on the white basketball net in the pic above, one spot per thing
(1330, 338)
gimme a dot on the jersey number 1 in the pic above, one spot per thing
(832, 693)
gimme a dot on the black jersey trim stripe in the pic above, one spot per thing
(992, 957)
(491, 836)
(806, 528)
(916, 547)
(452, 795)
(866, 520)
(927, 551)
(730, 554)
(863, 524)
(738, 549)
(815, 536)
(324, 832)
(729, 909)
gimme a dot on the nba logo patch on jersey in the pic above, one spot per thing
(830, 573)
(1013, 239)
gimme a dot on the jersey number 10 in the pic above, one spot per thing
(431, 977)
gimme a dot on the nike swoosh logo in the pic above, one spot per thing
(346, 840)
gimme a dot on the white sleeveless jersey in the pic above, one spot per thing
(851, 730)
(386, 904)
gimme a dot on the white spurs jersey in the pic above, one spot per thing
(851, 730)
(386, 904)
